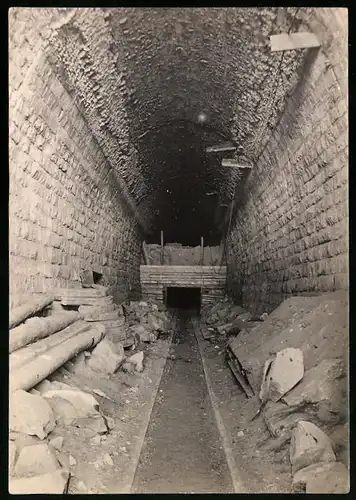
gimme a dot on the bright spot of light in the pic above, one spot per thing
(202, 117)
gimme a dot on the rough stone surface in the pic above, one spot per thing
(30, 414)
(309, 445)
(36, 460)
(96, 424)
(336, 480)
(320, 383)
(286, 371)
(137, 361)
(50, 483)
(57, 442)
(104, 358)
(83, 403)
(12, 456)
(319, 471)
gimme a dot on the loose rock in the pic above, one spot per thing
(36, 460)
(309, 445)
(108, 460)
(137, 360)
(336, 480)
(12, 456)
(96, 424)
(30, 414)
(50, 483)
(104, 359)
(57, 442)
(286, 371)
(85, 404)
(303, 476)
(320, 383)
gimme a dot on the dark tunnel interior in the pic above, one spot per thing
(183, 298)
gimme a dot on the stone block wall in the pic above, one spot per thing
(290, 235)
(66, 213)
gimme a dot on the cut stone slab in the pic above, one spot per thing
(320, 383)
(309, 445)
(30, 414)
(57, 443)
(85, 404)
(336, 480)
(50, 483)
(314, 471)
(36, 460)
(137, 361)
(104, 358)
(286, 371)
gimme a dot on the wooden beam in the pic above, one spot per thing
(202, 251)
(220, 147)
(162, 249)
(293, 41)
(144, 251)
(227, 162)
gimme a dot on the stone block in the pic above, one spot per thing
(50, 483)
(309, 445)
(36, 460)
(30, 414)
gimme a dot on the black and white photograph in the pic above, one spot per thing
(178, 225)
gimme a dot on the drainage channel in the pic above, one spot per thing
(183, 449)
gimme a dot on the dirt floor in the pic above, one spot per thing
(183, 451)
(255, 468)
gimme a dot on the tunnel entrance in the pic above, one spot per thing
(183, 298)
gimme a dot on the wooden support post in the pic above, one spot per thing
(162, 249)
(202, 251)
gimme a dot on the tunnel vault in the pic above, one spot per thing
(143, 78)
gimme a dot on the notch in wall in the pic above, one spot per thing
(89, 278)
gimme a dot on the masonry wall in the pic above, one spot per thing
(65, 211)
(290, 234)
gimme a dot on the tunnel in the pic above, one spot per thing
(184, 298)
(112, 112)
(216, 138)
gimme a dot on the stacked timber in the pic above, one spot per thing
(96, 306)
(40, 345)
(210, 279)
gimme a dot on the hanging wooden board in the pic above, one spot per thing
(293, 41)
(227, 162)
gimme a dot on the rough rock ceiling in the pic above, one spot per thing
(142, 76)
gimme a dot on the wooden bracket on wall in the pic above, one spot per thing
(220, 147)
(293, 41)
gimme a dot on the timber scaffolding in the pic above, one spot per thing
(156, 279)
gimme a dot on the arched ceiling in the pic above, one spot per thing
(142, 77)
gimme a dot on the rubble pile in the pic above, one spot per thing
(292, 367)
(37, 462)
(88, 339)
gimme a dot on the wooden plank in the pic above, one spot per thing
(202, 251)
(221, 147)
(240, 379)
(178, 268)
(293, 41)
(228, 162)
